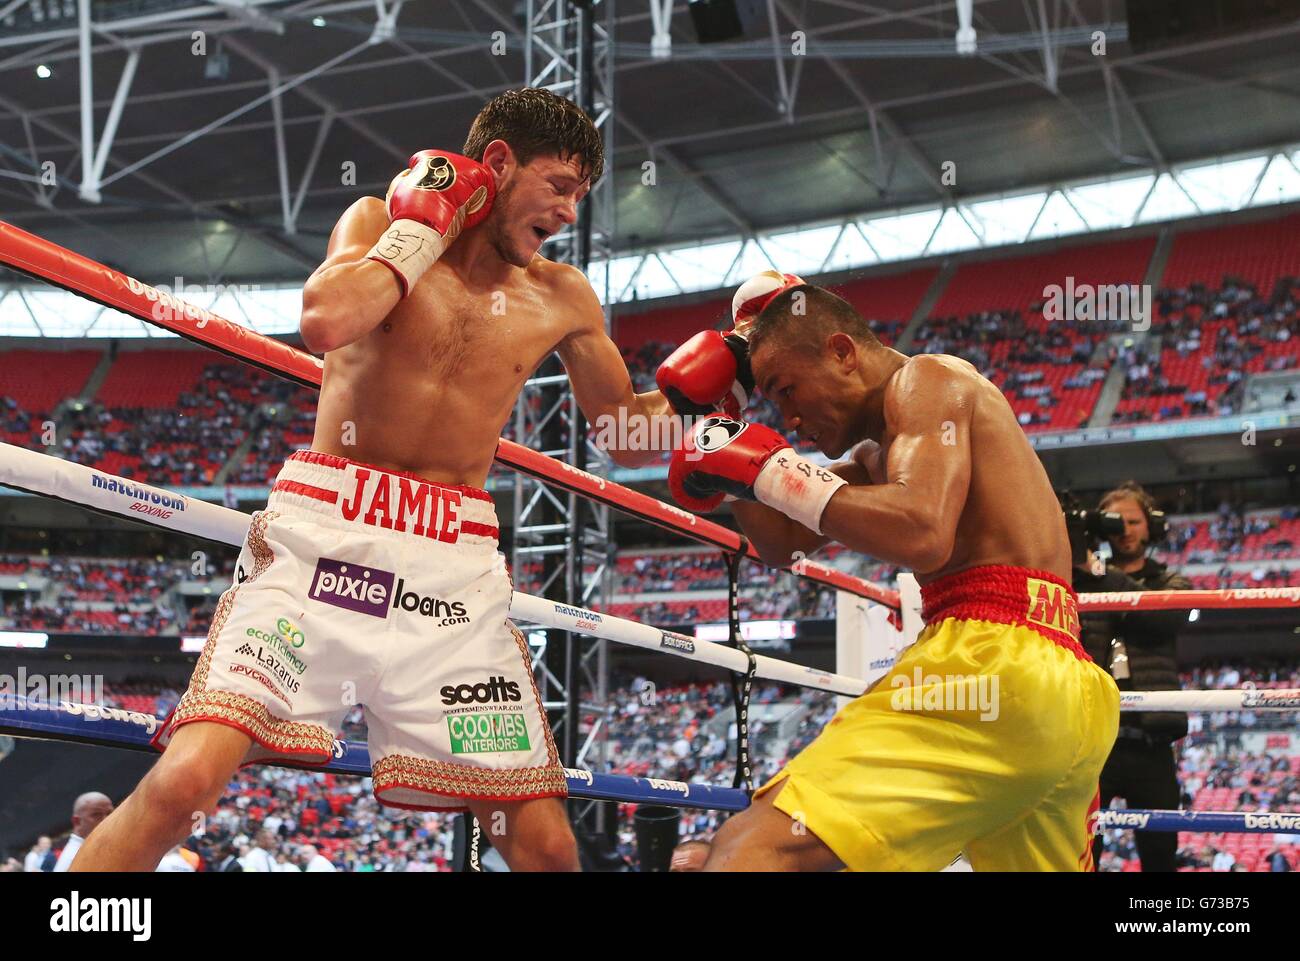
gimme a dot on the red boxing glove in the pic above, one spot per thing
(430, 203)
(721, 456)
(712, 368)
(707, 370)
(755, 294)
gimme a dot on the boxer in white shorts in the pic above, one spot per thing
(388, 589)
(432, 308)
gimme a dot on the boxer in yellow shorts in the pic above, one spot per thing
(948, 752)
(989, 735)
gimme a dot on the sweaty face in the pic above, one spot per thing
(536, 201)
(803, 388)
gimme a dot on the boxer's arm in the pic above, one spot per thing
(781, 540)
(632, 427)
(912, 520)
(348, 295)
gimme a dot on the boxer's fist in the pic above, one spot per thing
(712, 370)
(709, 369)
(442, 190)
(721, 456)
(755, 294)
(430, 203)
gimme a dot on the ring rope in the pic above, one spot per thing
(1254, 597)
(132, 730)
(109, 494)
(51, 263)
(742, 687)
(106, 493)
(48, 262)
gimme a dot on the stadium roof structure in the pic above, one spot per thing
(225, 165)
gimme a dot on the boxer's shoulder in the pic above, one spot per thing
(365, 211)
(359, 225)
(937, 378)
(568, 292)
(368, 206)
(939, 367)
(557, 277)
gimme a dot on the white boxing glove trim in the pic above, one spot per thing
(409, 248)
(796, 487)
(740, 397)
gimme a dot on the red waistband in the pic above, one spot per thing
(1038, 600)
(333, 460)
(398, 502)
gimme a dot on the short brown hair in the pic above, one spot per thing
(1129, 489)
(534, 121)
(804, 316)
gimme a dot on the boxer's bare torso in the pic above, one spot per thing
(945, 481)
(429, 389)
(1011, 515)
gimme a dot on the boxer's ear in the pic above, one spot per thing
(845, 351)
(500, 159)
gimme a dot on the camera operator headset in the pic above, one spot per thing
(1139, 650)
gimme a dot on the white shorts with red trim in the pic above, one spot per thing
(358, 585)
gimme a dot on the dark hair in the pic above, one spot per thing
(804, 316)
(1131, 489)
(534, 121)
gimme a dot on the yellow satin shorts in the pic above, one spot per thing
(986, 738)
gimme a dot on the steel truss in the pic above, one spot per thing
(127, 31)
(562, 544)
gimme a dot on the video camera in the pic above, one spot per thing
(1087, 528)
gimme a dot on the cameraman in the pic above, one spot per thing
(1139, 650)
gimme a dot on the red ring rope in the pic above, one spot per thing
(80, 275)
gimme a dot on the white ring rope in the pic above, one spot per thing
(42, 474)
(100, 491)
